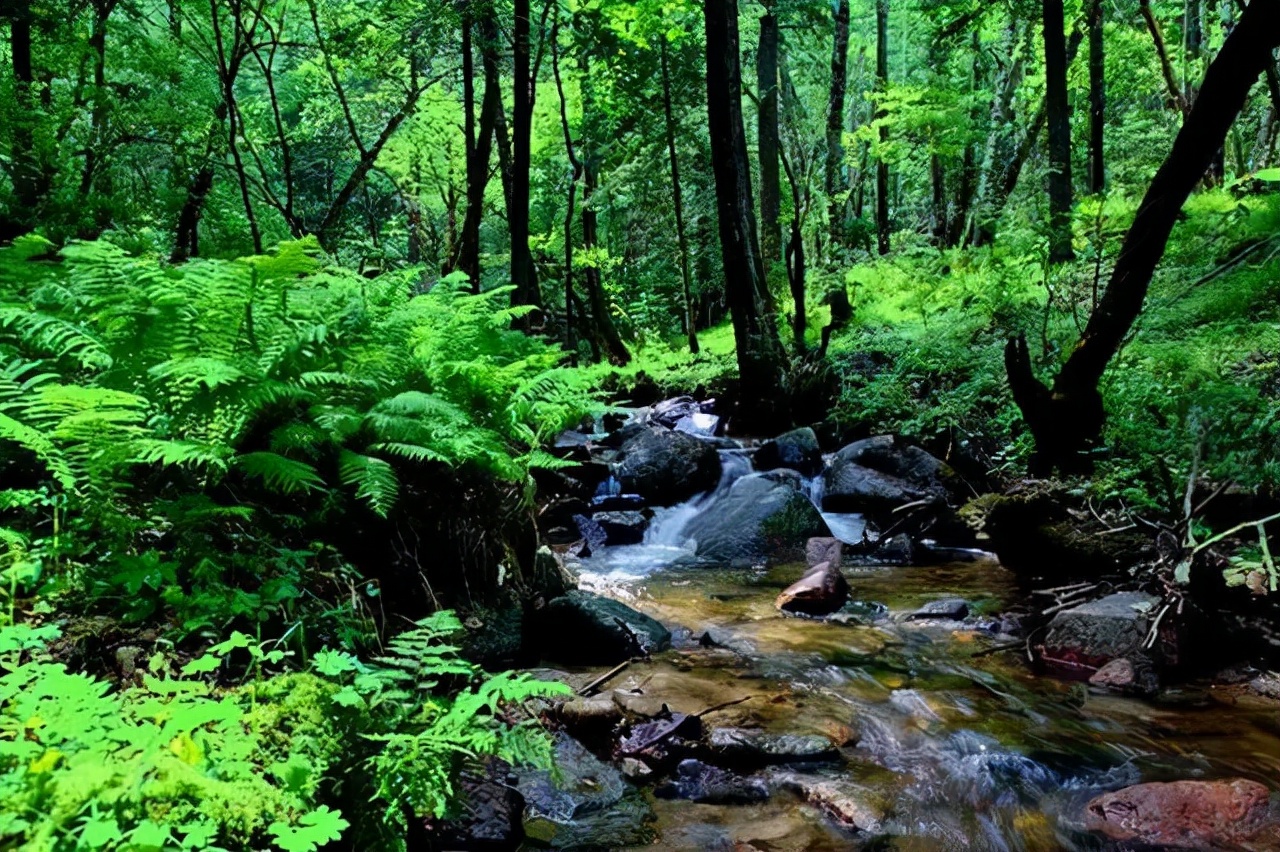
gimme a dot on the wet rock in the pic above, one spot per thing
(491, 814)
(1084, 638)
(948, 609)
(556, 520)
(593, 535)
(585, 804)
(882, 473)
(669, 412)
(581, 628)
(850, 805)
(622, 527)
(666, 467)
(896, 550)
(748, 748)
(1182, 814)
(617, 503)
(763, 515)
(572, 444)
(654, 740)
(1136, 675)
(820, 592)
(823, 549)
(797, 450)
(494, 637)
(636, 770)
(698, 424)
(859, 613)
(1266, 684)
(595, 713)
(699, 782)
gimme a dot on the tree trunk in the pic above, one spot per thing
(479, 144)
(1097, 101)
(30, 175)
(1176, 94)
(575, 173)
(795, 259)
(833, 183)
(93, 176)
(770, 187)
(187, 237)
(523, 274)
(1058, 111)
(761, 361)
(677, 200)
(882, 167)
(938, 207)
(1068, 419)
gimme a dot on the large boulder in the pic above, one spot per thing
(1182, 814)
(761, 516)
(797, 450)
(581, 628)
(880, 474)
(1084, 638)
(490, 820)
(666, 467)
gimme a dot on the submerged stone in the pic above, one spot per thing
(1182, 814)
(822, 591)
(582, 628)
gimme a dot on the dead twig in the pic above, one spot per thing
(604, 678)
(723, 706)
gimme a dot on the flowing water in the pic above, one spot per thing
(947, 747)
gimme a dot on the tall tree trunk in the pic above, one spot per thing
(938, 207)
(93, 176)
(761, 360)
(186, 242)
(575, 173)
(1097, 100)
(1058, 111)
(1068, 419)
(479, 144)
(770, 186)
(602, 327)
(677, 200)
(882, 167)
(30, 175)
(795, 259)
(1176, 94)
(523, 273)
(833, 181)
(229, 58)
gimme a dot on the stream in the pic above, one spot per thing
(943, 746)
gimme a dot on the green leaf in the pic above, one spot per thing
(333, 663)
(280, 474)
(312, 831)
(202, 665)
(1272, 175)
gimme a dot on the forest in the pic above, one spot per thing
(503, 424)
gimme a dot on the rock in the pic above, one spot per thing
(1182, 814)
(617, 503)
(556, 520)
(654, 739)
(594, 713)
(762, 516)
(1082, 639)
(948, 609)
(1266, 684)
(491, 819)
(550, 578)
(495, 637)
(850, 805)
(797, 450)
(823, 549)
(749, 748)
(622, 527)
(698, 424)
(585, 804)
(669, 412)
(859, 613)
(636, 770)
(581, 628)
(820, 592)
(666, 467)
(1117, 674)
(593, 536)
(882, 473)
(895, 550)
(711, 785)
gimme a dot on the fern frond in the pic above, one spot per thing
(375, 480)
(189, 454)
(43, 448)
(280, 474)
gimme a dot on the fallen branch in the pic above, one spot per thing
(604, 678)
(723, 706)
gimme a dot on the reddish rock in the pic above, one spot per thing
(1181, 814)
(1117, 674)
(820, 592)
(823, 549)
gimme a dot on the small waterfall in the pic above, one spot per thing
(664, 541)
(849, 527)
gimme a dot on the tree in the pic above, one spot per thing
(523, 274)
(767, 95)
(1066, 419)
(833, 183)
(677, 199)
(761, 360)
(1097, 100)
(479, 144)
(1058, 112)
(882, 165)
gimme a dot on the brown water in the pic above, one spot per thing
(948, 750)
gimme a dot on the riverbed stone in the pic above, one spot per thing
(881, 474)
(711, 785)
(1182, 814)
(583, 628)
(850, 805)
(947, 609)
(666, 467)
(491, 818)
(753, 748)
(822, 591)
(762, 516)
(796, 450)
(1084, 638)
(619, 528)
(822, 549)
(584, 804)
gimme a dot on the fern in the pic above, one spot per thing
(280, 474)
(375, 480)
